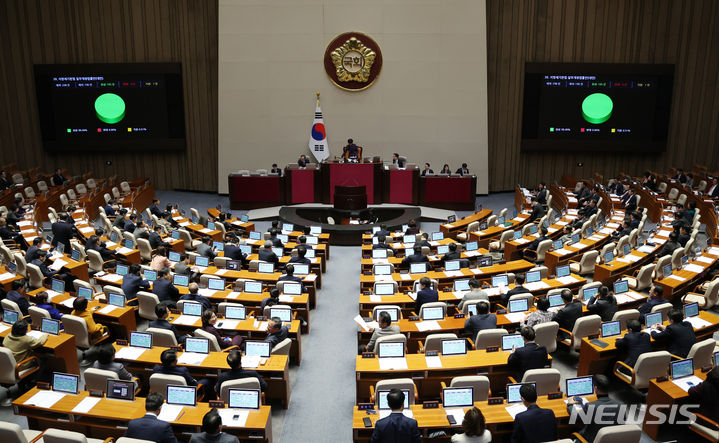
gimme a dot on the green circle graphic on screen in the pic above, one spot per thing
(110, 108)
(597, 108)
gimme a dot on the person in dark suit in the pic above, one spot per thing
(42, 262)
(182, 267)
(276, 242)
(713, 191)
(684, 235)
(381, 243)
(610, 410)
(535, 424)
(589, 210)
(452, 254)
(423, 240)
(568, 315)
(302, 241)
(412, 228)
(163, 288)
(168, 358)
(603, 304)
(300, 258)
(530, 356)
(518, 289)
(162, 323)
(62, 232)
(634, 343)
(670, 246)
(155, 238)
(396, 428)
(266, 254)
(130, 224)
(631, 203)
(427, 170)
(8, 232)
(212, 430)
(383, 231)
(679, 335)
(426, 294)
(397, 161)
(58, 178)
(416, 257)
(302, 161)
(155, 208)
(541, 193)
(538, 210)
(233, 251)
(483, 320)
(94, 243)
(205, 248)
(289, 275)
(5, 181)
(194, 296)
(463, 170)
(623, 230)
(276, 170)
(706, 394)
(276, 332)
(234, 359)
(17, 289)
(543, 232)
(655, 298)
(132, 283)
(120, 219)
(583, 192)
(635, 220)
(150, 427)
(351, 150)
(32, 250)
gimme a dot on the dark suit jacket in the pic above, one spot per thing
(516, 290)
(204, 301)
(277, 337)
(476, 323)
(535, 425)
(414, 258)
(583, 193)
(31, 253)
(46, 271)
(530, 356)
(205, 250)
(542, 197)
(634, 344)
(164, 324)
(132, 284)
(165, 290)
(150, 428)
(679, 336)
(301, 260)
(155, 240)
(182, 371)
(631, 203)
(290, 278)
(277, 243)
(62, 233)
(425, 296)
(129, 226)
(155, 210)
(646, 308)
(451, 256)
(537, 213)
(20, 300)
(610, 410)
(268, 256)
(602, 308)
(535, 243)
(389, 234)
(568, 315)
(234, 253)
(382, 246)
(396, 428)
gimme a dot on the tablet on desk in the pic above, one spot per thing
(117, 300)
(218, 245)
(471, 246)
(121, 270)
(197, 345)
(655, 318)
(50, 326)
(611, 328)
(255, 235)
(520, 305)
(141, 340)
(555, 300)
(500, 280)
(253, 287)
(379, 253)
(512, 341)
(452, 265)
(433, 313)
(258, 348)
(235, 312)
(411, 238)
(533, 276)
(621, 286)
(191, 308)
(120, 390)
(202, 261)
(181, 395)
(393, 313)
(461, 285)
(85, 293)
(437, 236)
(266, 268)
(301, 268)
(588, 293)
(382, 270)
(442, 249)
(216, 284)
(66, 383)
(278, 251)
(390, 349)
(58, 285)
(562, 271)
(454, 347)
(174, 256)
(384, 288)
(292, 288)
(580, 386)
(458, 397)
(181, 280)
(513, 395)
(418, 268)
(382, 399)
(244, 398)
(149, 274)
(9, 317)
(682, 368)
(691, 310)
(283, 314)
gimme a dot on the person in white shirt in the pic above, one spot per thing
(474, 428)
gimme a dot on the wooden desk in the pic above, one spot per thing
(7, 279)
(109, 417)
(247, 226)
(62, 347)
(275, 370)
(664, 393)
(497, 419)
(683, 280)
(485, 236)
(596, 360)
(552, 259)
(434, 260)
(452, 229)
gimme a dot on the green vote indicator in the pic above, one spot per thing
(110, 108)
(597, 108)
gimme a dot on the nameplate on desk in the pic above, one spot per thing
(121, 342)
(431, 353)
(495, 400)
(593, 336)
(662, 378)
(368, 355)
(458, 315)
(174, 311)
(367, 292)
(413, 318)
(501, 311)
(707, 368)
(430, 405)
(448, 289)
(219, 404)
(365, 406)
(43, 385)
(96, 392)
(176, 348)
(367, 272)
(261, 318)
(554, 395)
(492, 348)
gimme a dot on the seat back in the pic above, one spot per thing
(524, 296)
(11, 433)
(506, 236)
(398, 383)
(282, 348)
(214, 346)
(650, 365)
(633, 236)
(78, 327)
(95, 262)
(186, 239)
(624, 316)
(37, 314)
(391, 338)
(436, 304)
(543, 271)
(162, 337)
(125, 186)
(673, 193)
(677, 258)
(240, 383)
(492, 221)
(159, 382)
(644, 277)
(489, 337)
(34, 275)
(658, 267)
(7, 367)
(585, 326)
(596, 284)
(145, 249)
(702, 352)
(542, 249)
(42, 186)
(588, 261)
(546, 335)
(661, 187)
(619, 434)
(474, 226)
(480, 383)
(53, 435)
(547, 379)
(664, 308)
(378, 308)
(10, 305)
(433, 342)
(711, 293)
(147, 302)
(222, 307)
(681, 200)
(97, 378)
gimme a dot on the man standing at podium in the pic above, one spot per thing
(351, 150)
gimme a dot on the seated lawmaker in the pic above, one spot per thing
(351, 151)
(423, 240)
(106, 361)
(161, 313)
(205, 248)
(706, 395)
(538, 211)
(289, 275)
(266, 253)
(445, 170)
(568, 315)
(535, 424)
(463, 170)
(276, 332)
(160, 260)
(381, 244)
(300, 258)
(43, 303)
(16, 294)
(541, 315)
(475, 293)
(397, 161)
(155, 238)
(79, 309)
(302, 241)
(427, 170)
(655, 298)
(162, 287)
(31, 253)
(302, 161)
(530, 356)
(275, 169)
(234, 359)
(518, 289)
(212, 430)
(426, 294)
(209, 320)
(168, 366)
(149, 427)
(634, 343)
(383, 230)
(22, 345)
(452, 254)
(603, 304)
(386, 327)
(396, 427)
(483, 320)
(194, 296)
(679, 335)
(416, 257)
(132, 283)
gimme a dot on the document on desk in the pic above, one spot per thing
(431, 325)
(124, 251)
(375, 298)
(580, 246)
(567, 280)
(562, 251)
(476, 271)
(233, 295)
(405, 277)
(250, 361)
(388, 364)
(677, 278)
(697, 322)
(87, 230)
(35, 334)
(57, 264)
(68, 303)
(206, 292)
(691, 267)
(457, 413)
(360, 321)
(106, 309)
(657, 240)
(514, 317)
(632, 258)
(687, 382)
(86, 405)
(191, 358)
(412, 295)
(471, 253)
(606, 231)
(129, 353)
(535, 286)
(702, 259)
(205, 230)
(286, 298)
(645, 249)
(514, 409)
(459, 294)
(713, 250)
(229, 324)
(623, 298)
(434, 362)
(50, 293)
(521, 240)
(6, 276)
(260, 325)
(228, 417)
(453, 273)
(44, 399)
(169, 413)
(4, 327)
(380, 261)
(112, 277)
(221, 272)
(186, 320)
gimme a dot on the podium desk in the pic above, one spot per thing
(61, 346)
(401, 185)
(450, 192)
(109, 417)
(368, 175)
(255, 191)
(303, 185)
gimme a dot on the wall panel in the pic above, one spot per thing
(112, 31)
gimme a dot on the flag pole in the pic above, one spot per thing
(318, 98)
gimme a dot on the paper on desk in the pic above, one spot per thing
(221, 272)
(228, 415)
(691, 267)
(260, 325)
(535, 286)
(387, 364)
(406, 412)
(112, 277)
(229, 324)
(431, 325)
(24, 223)
(514, 317)
(412, 295)
(50, 293)
(514, 409)
(4, 327)
(310, 277)
(646, 249)
(380, 261)
(169, 413)
(6, 276)
(87, 230)
(561, 223)
(713, 250)
(434, 362)
(233, 295)
(286, 298)
(86, 405)
(702, 259)
(657, 240)
(687, 382)
(405, 277)
(129, 353)
(448, 225)
(375, 298)
(697, 322)
(472, 253)
(123, 250)
(44, 399)
(106, 309)
(632, 258)
(250, 361)
(606, 231)
(580, 246)
(387, 278)
(677, 278)
(360, 321)
(57, 264)
(206, 292)
(191, 358)
(459, 294)
(476, 271)
(35, 334)
(623, 260)
(521, 240)
(453, 273)
(493, 291)
(68, 303)
(187, 320)
(562, 251)
(457, 413)
(205, 230)
(623, 298)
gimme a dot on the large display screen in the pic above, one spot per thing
(103, 107)
(597, 107)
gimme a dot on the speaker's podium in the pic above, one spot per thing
(350, 197)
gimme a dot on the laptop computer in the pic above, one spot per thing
(246, 249)
(390, 349)
(278, 251)
(471, 246)
(588, 293)
(288, 227)
(442, 249)
(283, 314)
(315, 230)
(128, 243)
(141, 340)
(50, 326)
(513, 395)
(197, 345)
(120, 390)
(682, 368)
(627, 249)
(611, 328)
(555, 300)
(458, 397)
(283, 238)
(266, 268)
(235, 312)
(58, 285)
(181, 280)
(454, 347)
(75, 255)
(512, 341)
(174, 234)
(437, 236)
(202, 261)
(411, 238)
(218, 245)
(9, 317)
(575, 238)
(691, 310)
(67, 383)
(418, 268)
(116, 300)
(311, 240)
(244, 399)
(149, 274)
(255, 235)
(244, 218)
(580, 386)
(517, 235)
(433, 313)
(621, 286)
(520, 305)
(257, 348)
(562, 271)
(191, 308)
(608, 257)
(557, 244)
(461, 285)
(181, 395)
(533, 276)
(253, 287)
(667, 270)
(393, 313)
(500, 280)
(292, 288)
